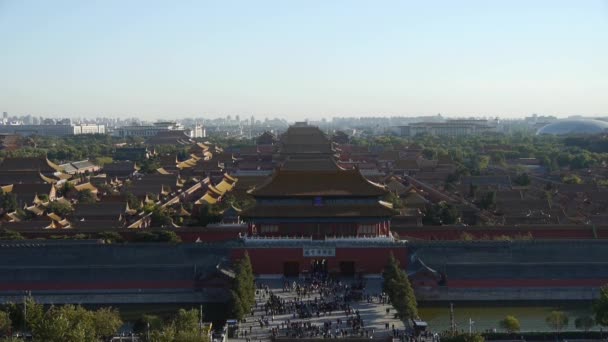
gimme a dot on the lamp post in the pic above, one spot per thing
(200, 321)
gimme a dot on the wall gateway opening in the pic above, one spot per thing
(347, 268)
(291, 268)
(318, 266)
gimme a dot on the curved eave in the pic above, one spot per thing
(47, 179)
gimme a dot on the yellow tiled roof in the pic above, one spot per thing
(86, 186)
(224, 186)
(209, 199)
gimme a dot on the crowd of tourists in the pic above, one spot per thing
(316, 296)
(285, 312)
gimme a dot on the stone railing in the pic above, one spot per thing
(270, 239)
(382, 238)
(349, 239)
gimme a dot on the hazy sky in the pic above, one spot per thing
(307, 58)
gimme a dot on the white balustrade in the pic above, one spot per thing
(352, 239)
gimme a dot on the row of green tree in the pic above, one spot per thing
(169, 236)
(74, 323)
(67, 323)
(553, 152)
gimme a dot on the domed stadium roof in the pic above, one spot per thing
(572, 126)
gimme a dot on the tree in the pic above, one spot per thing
(244, 284)
(187, 320)
(86, 196)
(452, 178)
(522, 179)
(133, 201)
(404, 300)
(461, 337)
(428, 153)
(557, 320)
(165, 334)
(106, 322)
(168, 236)
(472, 190)
(149, 166)
(441, 213)
(397, 286)
(60, 208)
(6, 234)
(466, 236)
(510, 324)
(208, 214)
(8, 202)
(147, 323)
(15, 311)
(68, 190)
(488, 201)
(572, 179)
(5, 323)
(145, 236)
(111, 237)
(66, 323)
(584, 323)
(101, 161)
(160, 217)
(600, 307)
(231, 200)
(186, 325)
(390, 272)
(581, 161)
(158, 236)
(394, 200)
(236, 306)
(498, 157)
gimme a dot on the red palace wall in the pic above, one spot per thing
(368, 260)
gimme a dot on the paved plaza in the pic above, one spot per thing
(373, 314)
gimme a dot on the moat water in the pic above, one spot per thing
(486, 317)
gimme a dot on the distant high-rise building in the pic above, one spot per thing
(198, 131)
(452, 128)
(52, 129)
(5, 115)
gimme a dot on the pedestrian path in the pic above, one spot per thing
(377, 321)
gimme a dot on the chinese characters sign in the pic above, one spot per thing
(319, 252)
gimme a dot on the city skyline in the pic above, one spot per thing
(301, 60)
